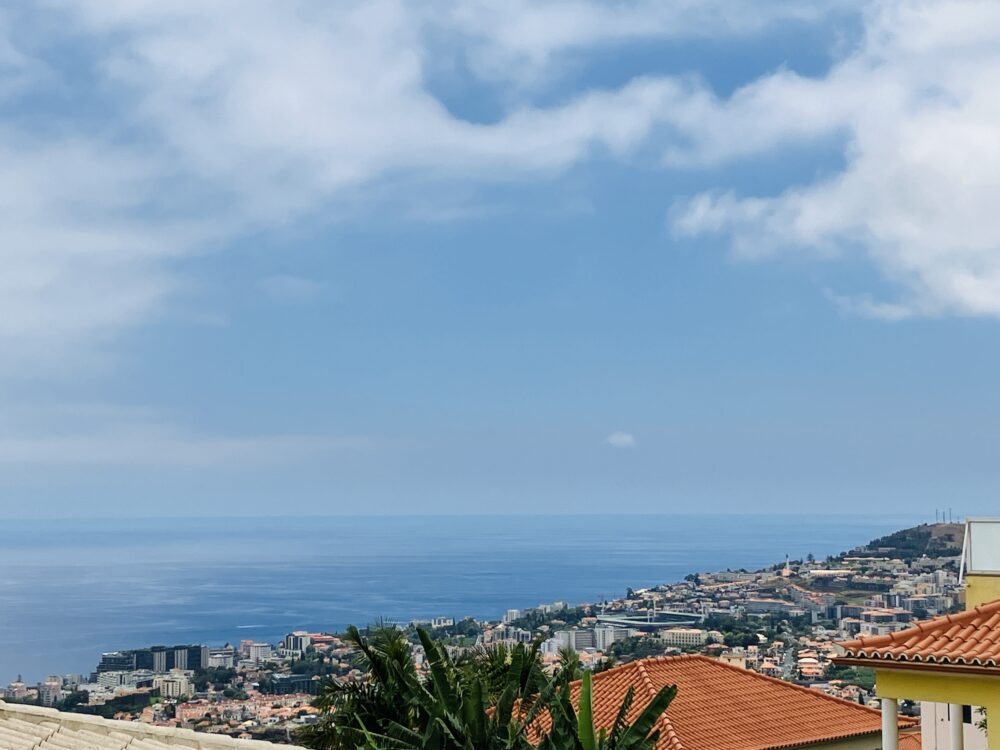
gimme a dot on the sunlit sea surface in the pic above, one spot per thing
(71, 589)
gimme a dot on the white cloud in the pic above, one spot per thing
(918, 193)
(225, 118)
(621, 440)
(209, 121)
(518, 39)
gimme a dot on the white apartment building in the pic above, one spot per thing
(684, 636)
(222, 657)
(575, 639)
(606, 635)
(16, 690)
(175, 684)
(260, 652)
(50, 692)
(884, 621)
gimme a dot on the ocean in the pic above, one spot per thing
(72, 589)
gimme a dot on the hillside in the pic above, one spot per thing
(931, 539)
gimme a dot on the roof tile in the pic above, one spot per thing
(721, 707)
(969, 638)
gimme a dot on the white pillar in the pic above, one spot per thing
(890, 724)
(955, 726)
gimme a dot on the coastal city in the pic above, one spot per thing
(780, 622)
(491, 375)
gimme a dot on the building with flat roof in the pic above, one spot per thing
(684, 637)
(158, 659)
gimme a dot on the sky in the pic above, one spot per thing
(263, 258)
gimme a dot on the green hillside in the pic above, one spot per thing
(931, 539)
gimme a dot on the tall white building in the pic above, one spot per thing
(575, 639)
(175, 684)
(260, 652)
(50, 691)
(606, 635)
(222, 657)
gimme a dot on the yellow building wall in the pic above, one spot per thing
(972, 690)
(980, 589)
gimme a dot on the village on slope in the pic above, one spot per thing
(781, 622)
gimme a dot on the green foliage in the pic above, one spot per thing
(568, 665)
(74, 699)
(128, 703)
(313, 664)
(467, 628)
(933, 540)
(535, 618)
(575, 730)
(490, 699)
(863, 677)
(638, 647)
(217, 677)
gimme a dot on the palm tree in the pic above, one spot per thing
(491, 700)
(575, 730)
(568, 666)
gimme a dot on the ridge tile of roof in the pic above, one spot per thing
(966, 639)
(40, 728)
(722, 707)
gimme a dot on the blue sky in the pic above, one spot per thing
(269, 257)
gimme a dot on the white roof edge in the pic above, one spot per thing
(169, 735)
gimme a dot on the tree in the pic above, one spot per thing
(568, 665)
(575, 730)
(494, 699)
(74, 699)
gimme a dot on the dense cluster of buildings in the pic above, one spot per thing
(243, 690)
(780, 623)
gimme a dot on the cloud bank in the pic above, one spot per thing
(917, 194)
(137, 134)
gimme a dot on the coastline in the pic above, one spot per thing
(263, 578)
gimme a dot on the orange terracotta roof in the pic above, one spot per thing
(721, 707)
(909, 742)
(967, 639)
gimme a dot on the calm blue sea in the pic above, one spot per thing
(71, 589)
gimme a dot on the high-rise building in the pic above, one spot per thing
(117, 661)
(222, 657)
(295, 644)
(260, 652)
(158, 659)
(175, 684)
(50, 691)
(606, 635)
(576, 640)
(16, 690)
